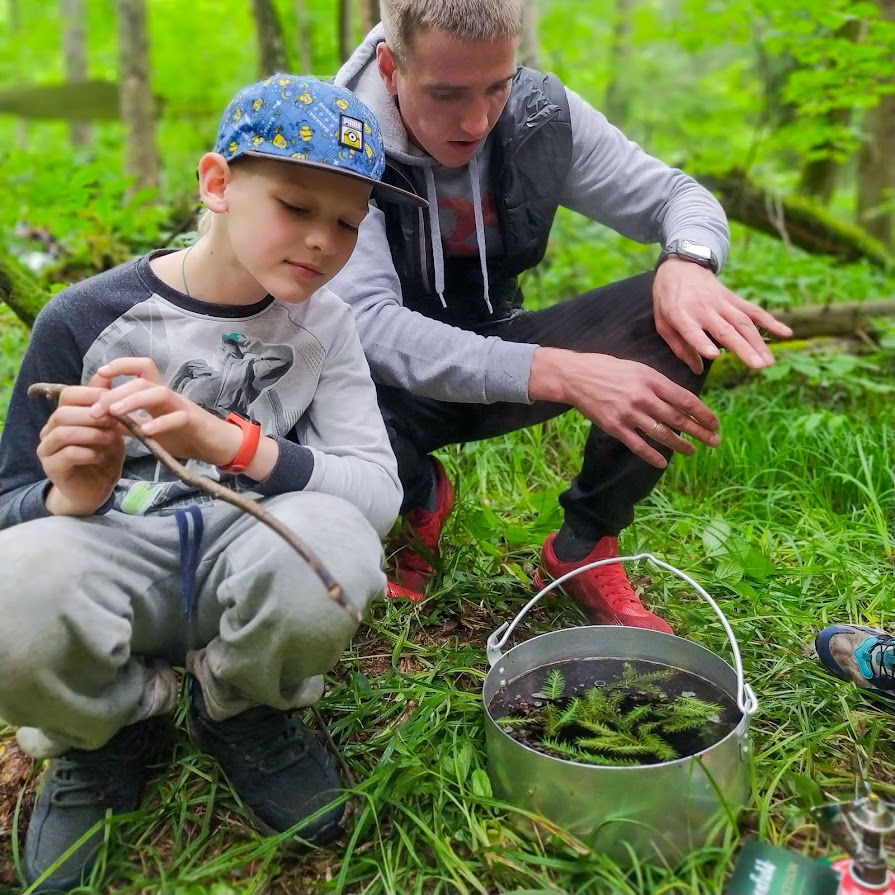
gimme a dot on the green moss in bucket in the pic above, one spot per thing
(629, 721)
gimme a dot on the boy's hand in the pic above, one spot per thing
(182, 427)
(81, 456)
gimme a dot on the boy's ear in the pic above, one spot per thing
(214, 176)
(388, 66)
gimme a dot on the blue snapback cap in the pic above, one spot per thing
(306, 121)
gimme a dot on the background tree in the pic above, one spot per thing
(824, 160)
(303, 37)
(371, 14)
(137, 102)
(346, 28)
(876, 163)
(530, 45)
(615, 106)
(74, 51)
(272, 56)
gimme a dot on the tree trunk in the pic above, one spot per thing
(530, 45)
(876, 173)
(617, 101)
(15, 26)
(304, 44)
(20, 290)
(876, 162)
(137, 103)
(371, 14)
(74, 49)
(346, 29)
(795, 220)
(819, 175)
(272, 56)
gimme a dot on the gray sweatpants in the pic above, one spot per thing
(92, 615)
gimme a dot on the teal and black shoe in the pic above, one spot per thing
(864, 656)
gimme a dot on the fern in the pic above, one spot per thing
(555, 685)
(627, 722)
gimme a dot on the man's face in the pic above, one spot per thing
(450, 92)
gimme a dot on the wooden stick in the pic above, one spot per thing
(52, 390)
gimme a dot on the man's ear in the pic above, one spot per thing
(388, 66)
(214, 176)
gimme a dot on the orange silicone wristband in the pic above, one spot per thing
(251, 438)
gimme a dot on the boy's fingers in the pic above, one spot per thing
(141, 367)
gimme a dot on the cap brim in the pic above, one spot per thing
(381, 191)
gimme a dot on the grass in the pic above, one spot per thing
(787, 524)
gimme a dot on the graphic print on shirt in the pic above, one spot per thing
(219, 369)
(457, 217)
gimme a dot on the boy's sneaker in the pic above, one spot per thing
(77, 790)
(864, 656)
(411, 568)
(274, 764)
(604, 594)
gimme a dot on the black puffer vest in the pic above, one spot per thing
(529, 162)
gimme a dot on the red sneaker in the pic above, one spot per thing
(604, 594)
(411, 567)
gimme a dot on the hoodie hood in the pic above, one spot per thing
(360, 74)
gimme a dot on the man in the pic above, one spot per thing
(496, 150)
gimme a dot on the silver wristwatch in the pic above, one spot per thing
(690, 251)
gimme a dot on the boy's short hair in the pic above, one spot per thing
(305, 121)
(462, 19)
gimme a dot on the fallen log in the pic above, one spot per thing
(794, 219)
(837, 319)
(20, 289)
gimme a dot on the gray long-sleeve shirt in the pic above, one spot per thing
(610, 180)
(297, 370)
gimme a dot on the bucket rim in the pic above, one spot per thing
(739, 730)
(747, 702)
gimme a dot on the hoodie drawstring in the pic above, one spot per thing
(480, 227)
(435, 226)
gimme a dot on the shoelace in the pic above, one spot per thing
(267, 739)
(616, 588)
(882, 654)
(81, 779)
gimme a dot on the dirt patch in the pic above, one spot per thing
(16, 775)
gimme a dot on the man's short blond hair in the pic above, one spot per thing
(462, 19)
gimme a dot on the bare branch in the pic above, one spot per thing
(52, 390)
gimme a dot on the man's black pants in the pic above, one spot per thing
(616, 319)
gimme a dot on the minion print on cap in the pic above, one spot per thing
(305, 121)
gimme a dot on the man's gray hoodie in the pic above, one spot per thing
(610, 180)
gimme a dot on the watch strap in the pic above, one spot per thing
(678, 249)
(251, 438)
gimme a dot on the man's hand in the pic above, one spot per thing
(629, 400)
(691, 305)
(80, 455)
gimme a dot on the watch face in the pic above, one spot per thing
(695, 249)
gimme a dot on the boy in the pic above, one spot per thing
(238, 359)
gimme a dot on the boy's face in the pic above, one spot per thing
(291, 227)
(450, 92)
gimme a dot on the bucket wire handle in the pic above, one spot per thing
(746, 699)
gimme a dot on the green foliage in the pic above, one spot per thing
(625, 722)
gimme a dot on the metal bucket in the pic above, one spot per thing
(656, 812)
